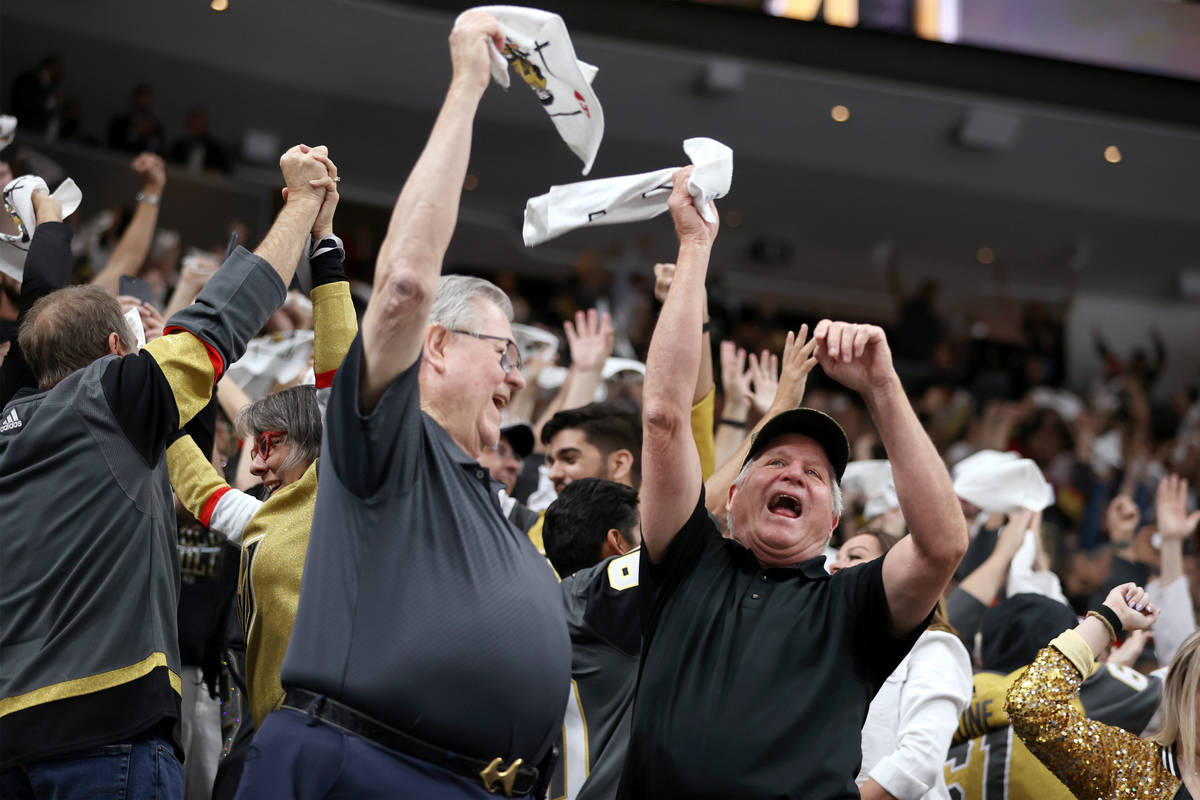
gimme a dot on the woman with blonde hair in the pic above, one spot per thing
(1101, 761)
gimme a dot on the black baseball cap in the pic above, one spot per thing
(808, 422)
(520, 438)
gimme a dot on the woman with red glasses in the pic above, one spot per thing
(285, 429)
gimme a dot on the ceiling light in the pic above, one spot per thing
(839, 113)
(219, 5)
(985, 255)
(1112, 154)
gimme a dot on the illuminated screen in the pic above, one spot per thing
(1152, 36)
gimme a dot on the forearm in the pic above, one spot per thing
(873, 791)
(48, 264)
(726, 442)
(704, 380)
(675, 344)
(984, 583)
(231, 399)
(183, 296)
(285, 240)
(131, 249)
(580, 389)
(1171, 561)
(334, 329)
(702, 431)
(927, 499)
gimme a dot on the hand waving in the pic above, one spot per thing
(797, 361)
(590, 339)
(1170, 503)
(856, 356)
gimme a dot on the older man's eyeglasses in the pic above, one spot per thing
(265, 442)
(510, 359)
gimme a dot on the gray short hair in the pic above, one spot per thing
(294, 411)
(455, 306)
(836, 491)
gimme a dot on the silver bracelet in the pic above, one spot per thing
(148, 199)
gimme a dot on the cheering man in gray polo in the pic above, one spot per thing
(757, 666)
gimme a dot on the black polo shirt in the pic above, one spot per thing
(421, 605)
(754, 682)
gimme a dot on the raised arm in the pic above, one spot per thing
(672, 480)
(1178, 620)
(410, 258)
(134, 245)
(917, 569)
(590, 340)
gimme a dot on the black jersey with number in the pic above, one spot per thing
(606, 641)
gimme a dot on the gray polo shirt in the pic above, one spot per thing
(421, 606)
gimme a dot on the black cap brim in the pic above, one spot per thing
(520, 438)
(816, 425)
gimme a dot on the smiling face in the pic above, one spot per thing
(571, 457)
(857, 550)
(782, 509)
(475, 383)
(268, 460)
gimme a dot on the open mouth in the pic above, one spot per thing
(784, 505)
(499, 401)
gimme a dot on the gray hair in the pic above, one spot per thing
(836, 491)
(294, 411)
(455, 304)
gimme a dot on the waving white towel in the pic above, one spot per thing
(540, 51)
(630, 198)
(18, 203)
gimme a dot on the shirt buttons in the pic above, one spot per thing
(764, 578)
(754, 596)
(479, 474)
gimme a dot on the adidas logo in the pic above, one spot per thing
(11, 422)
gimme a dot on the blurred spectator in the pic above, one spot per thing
(199, 150)
(138, 129)
(35, 97)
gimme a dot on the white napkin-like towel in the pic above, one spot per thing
(630, 198)
(1022, 579)
(274, 358)
(540, 52)
(873, 479)
(18, 204)
(1002, 482)
(8, 130)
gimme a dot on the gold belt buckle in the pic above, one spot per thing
(491, 774)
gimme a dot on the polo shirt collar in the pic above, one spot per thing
(812, 569)
(456, 453)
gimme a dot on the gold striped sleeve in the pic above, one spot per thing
(702, 432)
(194, 479)
(190, 367)
(335, 327)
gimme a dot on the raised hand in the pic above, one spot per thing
(1127, 654)
(590, 339)
(856, 356)
(1132, 606)
(469, 49)
(663, 275)
(1121, 519)
(764, 374)
(690, 227)
(735, 381)
(1170, 502)
(798, 360)
(323, 225)
(304, 174)
(151, 169)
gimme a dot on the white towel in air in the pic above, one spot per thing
(540, 52)
(630, 198)
(18, 204)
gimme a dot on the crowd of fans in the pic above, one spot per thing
(788, 557)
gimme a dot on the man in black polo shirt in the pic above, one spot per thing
(757, 666)
(429, 656)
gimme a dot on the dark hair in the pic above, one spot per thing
(68, 329)
(607, 426)
(578, 522)
(294, 411)
(885, 540)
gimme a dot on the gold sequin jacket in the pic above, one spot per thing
(1095, 761)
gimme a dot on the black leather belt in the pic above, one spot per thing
(514, 780)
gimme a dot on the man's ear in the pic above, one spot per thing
(115, 345)
(614, 544)
(437, 339)
(733, 490)
(620, 467)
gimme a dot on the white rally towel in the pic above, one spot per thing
(1002, 482)
(630, 198)
(8, 130)
(540, 51)
(18, 204)
(873, 479)
(271, 359)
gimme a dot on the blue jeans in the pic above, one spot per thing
(143, 769)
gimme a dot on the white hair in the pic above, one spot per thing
(455, 304)
(836, 491)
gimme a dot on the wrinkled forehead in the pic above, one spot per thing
(795, 446)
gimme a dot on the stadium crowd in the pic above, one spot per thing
(266, 536)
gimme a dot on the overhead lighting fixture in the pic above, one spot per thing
(985, 255)
(1112, 154)
(839, 113)
(219, 5)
